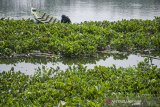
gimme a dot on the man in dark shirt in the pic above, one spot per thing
(65, 19)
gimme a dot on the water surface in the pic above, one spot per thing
(79, 11)
(30, 65)
(83, 10)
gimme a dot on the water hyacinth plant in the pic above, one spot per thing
(84, 39)
(78, 86)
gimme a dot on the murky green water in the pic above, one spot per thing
(83, 10)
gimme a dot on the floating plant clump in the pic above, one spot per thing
(78, 86)
(74, 40)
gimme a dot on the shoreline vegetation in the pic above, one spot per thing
(78, 86)
(26, 38)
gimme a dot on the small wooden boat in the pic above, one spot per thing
(42, 17)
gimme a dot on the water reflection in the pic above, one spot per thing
(18, 8)
(83, 10)
(78, 11)
(28, 65)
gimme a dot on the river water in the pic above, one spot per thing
(83, 10)
(78, 11)
(30, 65)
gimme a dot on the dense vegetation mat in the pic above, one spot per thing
(85, 39)
(77, 86)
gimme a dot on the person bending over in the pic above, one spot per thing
(65, 19)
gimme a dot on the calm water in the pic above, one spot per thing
(79, 11)
(83, 10)
(30, 65)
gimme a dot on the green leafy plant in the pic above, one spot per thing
(75, 40)
(78, 86)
